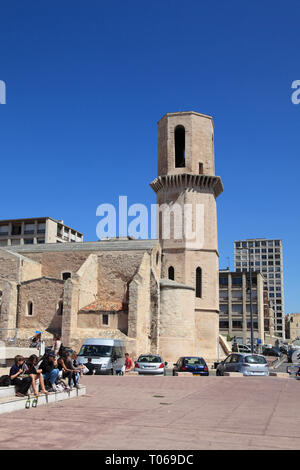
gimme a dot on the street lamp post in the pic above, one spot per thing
(250, 292)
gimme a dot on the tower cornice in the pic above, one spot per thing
(188, 180)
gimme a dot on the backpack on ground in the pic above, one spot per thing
(5, 381)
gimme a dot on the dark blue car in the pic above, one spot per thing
(195, 365)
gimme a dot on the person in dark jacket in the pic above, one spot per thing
(91, 367)
(69, 370)
(18, 378)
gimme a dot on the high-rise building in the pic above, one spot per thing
(264, 256)
(235, 310)
(36, 231)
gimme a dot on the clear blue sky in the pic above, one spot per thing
(88, 81)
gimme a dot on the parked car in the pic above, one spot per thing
(108, 355)
(272, 352)
(284, 349)
(194, 364)
(247, 364)
(244, 348)
(150, 364)
(290, 354)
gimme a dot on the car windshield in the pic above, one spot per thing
(191, 361)
(255, 360)
(149, 359)
(95, 350)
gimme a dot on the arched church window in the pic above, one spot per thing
(179, 147)
(199, 282)
(29, 308)
(171, 273)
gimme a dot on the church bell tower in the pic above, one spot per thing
(187, 188)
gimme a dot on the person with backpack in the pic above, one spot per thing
(18, 377)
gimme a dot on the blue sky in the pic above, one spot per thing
(88, 81)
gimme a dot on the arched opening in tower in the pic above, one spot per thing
(179, 147)
(171, 273)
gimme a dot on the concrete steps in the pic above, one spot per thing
(9, 402)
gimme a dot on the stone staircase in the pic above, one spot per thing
(9, 402)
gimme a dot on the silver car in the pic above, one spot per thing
(247, 364)
(150, 364)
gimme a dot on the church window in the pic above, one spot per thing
(179, 147)
(30, 309)
(65, 276)
(199, 282)
(171, 273)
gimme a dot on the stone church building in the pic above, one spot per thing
(160, 296)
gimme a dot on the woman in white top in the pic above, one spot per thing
(56, 344)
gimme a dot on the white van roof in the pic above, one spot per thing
(104, 342)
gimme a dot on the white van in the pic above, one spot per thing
(108, 355)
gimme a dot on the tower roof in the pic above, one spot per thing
(182, 113)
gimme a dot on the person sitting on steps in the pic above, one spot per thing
(30, 367)
(17, 377)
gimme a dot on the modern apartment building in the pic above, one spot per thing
(234, 294)
(35, 231)
(264, 256)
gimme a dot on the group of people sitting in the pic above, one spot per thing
(55, 371)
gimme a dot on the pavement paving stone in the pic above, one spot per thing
(155, 413)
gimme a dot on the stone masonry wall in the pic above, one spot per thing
(45, 294)
(139, 312)
(8, 309)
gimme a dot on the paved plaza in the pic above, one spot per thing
(163, 413)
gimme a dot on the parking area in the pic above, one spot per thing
(138, 412)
